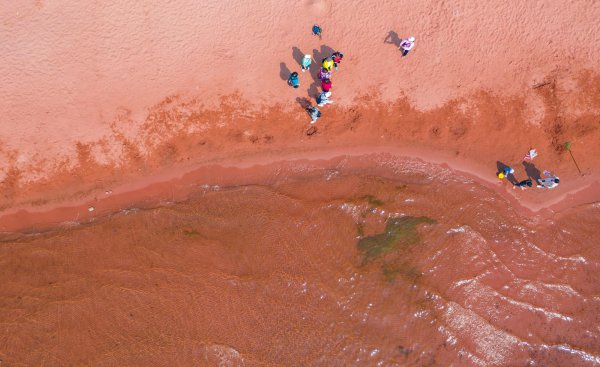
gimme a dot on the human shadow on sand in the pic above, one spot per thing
(532, 171)
(284, 72)
(303, 102)
(392, 38)
(297, 55)
(318, 55)
(510, 177)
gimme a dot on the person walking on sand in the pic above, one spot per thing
(523, 184)
(337, 59)
(327, 63)
(323, 99)
(314, 114)
(550, 182)
(407, 45)
(306, 61)
(324, 74)
(293, 80)
(326, 85)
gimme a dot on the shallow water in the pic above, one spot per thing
(400, 263)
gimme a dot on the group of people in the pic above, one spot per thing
(405, 45)
(328, 64)
(550, 181)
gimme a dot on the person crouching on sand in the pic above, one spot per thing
(549, 182)
(323, 99)
(326, 85)
(306, 61)
(337, 59)
(327, 63)
(523, 184)
(293, 80)
(317, 31)
(324, 74)
(407, 45)
(314, 114)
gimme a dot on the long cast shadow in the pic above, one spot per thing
(319, 55)
(313, 90)
(511, 177)
(392, 38)
(297, 55)
(303, 102)
(284, 72)
(532, 171)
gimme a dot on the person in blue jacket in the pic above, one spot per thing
(294, 80)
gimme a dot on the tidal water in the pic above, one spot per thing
(401, 263)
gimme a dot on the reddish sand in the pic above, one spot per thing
(92, 93)
(272, 275)
(125, 104)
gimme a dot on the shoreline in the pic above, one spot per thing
(178, 184)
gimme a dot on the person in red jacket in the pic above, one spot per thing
(326, 85)
(337, 58)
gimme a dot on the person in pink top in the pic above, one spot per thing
(326, 85)
(406, 45)
(324, 74)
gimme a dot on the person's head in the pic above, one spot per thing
(327, 81)
(294, 74)
(500, 175)
(411, 39)
(307, 56)
(556, 180)
(529, 183)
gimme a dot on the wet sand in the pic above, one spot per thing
(179, 184)
(224, 233)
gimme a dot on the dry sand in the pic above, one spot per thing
(95, 93)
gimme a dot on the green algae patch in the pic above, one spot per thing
(372, 200)
(406, 271)
(192, 233)
(400, 233)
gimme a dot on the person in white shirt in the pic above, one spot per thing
(314, 114)
(549, 182)
(323, 99)
(406, 45)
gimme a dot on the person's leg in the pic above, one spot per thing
(404, 52)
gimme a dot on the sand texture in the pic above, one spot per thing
(152, 156)
(103, 86)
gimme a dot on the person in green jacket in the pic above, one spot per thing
(306, 61)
